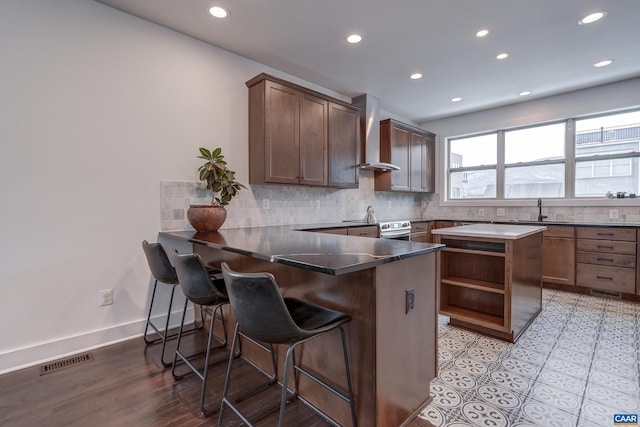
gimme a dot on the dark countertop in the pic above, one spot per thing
(326, 253)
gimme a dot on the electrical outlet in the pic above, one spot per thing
(106, 297)
(500, 212)
(480, 212)
(613, 214)
(410, 299)
(265, 204)
(317, 204)
(423, 204)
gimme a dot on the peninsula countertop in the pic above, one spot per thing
(325, 253)
(493, 231)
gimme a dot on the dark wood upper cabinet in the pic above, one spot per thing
(298, 136)
(411, 149)
(344, 135)
(313, 140)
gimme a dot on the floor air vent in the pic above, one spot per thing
(65, 363)
(606, 293)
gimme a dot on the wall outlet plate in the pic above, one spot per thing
(481, 212)
(613, 214)
(410, 299)
(106, 297)
(500, 212)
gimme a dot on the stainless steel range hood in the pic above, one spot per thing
(370, 134)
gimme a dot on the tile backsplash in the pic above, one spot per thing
(262, 205)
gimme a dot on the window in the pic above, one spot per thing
(472, 167)
(534, 162)
(607, 150)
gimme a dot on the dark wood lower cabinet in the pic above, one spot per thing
(393, 354)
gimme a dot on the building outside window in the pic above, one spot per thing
(531, 162)
(607, 150)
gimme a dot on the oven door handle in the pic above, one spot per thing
(395, 234)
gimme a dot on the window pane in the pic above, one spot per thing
(535, 143)
(474, 151)
(473, 184)
(534, 181)
(617, 133)
(606, 175)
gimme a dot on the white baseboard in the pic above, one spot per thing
(25, 357)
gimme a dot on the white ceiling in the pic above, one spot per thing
(549, 52)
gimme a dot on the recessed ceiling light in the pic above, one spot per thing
(415, 76)
(593, 17)
(603, 63)
(354, 38)
(482, 33)
(525, 93)
(502, 55)
(456, 99)
(218, 12)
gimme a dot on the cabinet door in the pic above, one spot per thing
(344, 137)
(313, 140)
(418, 158)
(558, 260)
(282, 130)
(429, 173)
(400, 152)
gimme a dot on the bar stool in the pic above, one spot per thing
(264, 315)
(199, 288)
(163, 272)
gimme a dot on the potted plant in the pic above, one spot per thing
(221, 181)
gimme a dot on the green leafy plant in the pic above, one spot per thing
(219, 178)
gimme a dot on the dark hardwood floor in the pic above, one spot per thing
(126, 385)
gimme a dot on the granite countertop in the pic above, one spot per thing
(493, 231)
(326, 253)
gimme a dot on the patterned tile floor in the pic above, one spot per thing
(576, 365)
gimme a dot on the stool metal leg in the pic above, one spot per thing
(348, 371)
(164, 336)
(272, 379)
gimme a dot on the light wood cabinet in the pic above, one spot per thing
(559, 259)
(413, 150)
(298, 136)
(606, 258)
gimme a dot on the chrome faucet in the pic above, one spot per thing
(540, 216)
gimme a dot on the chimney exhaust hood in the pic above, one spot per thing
(370, 134)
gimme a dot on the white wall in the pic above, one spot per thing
(96, 108)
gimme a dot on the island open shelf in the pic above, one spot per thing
(490, 277)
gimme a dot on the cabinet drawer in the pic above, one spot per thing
(607, 233)
(333, 231)
(369, 231)
(614, 260)
(417, 227)
(421, 237)
(559, 231)
(608, 278)
(602, 246)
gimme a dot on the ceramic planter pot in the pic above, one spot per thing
(206, 218)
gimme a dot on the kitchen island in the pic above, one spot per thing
(491, 277)
(392, 348)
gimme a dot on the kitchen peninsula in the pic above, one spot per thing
(491, 277)
(392, 347)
